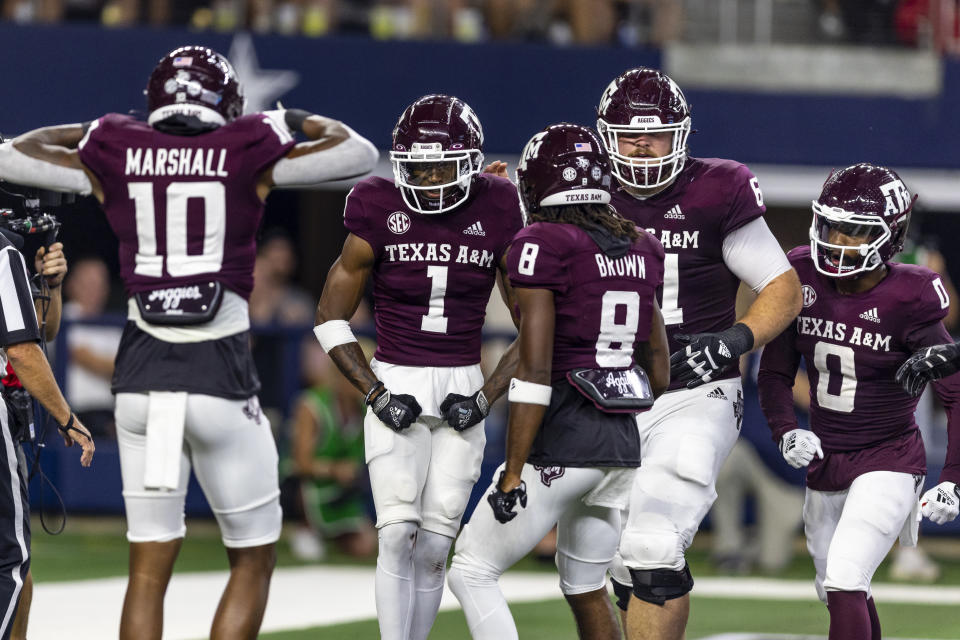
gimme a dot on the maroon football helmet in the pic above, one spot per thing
(868, 207)
(194, 81)
(437, 153)
(644, 101)
(565, 164)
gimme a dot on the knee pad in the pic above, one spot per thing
(656, 586)
(251, 526)
(577, 576)
(843, 575)
(453, 499)
(622, 591)
(152, 517)
(653, 548)
(454, 469)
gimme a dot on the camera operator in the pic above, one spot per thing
(20, 333)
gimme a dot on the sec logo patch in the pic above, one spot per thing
(398, 222)
(809, 296)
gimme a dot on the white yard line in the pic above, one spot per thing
(771, 589)
(311, 596)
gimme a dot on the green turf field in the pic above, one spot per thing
(97, 548)
(552, 621)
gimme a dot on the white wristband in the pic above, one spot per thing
(529, 392)
(333, 333)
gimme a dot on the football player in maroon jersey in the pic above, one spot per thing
(433, 240)
(585, 281)
(184, 193)
(862, 316)
(708, 214)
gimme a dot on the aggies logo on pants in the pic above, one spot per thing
(549, 474)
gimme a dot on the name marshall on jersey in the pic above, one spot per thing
(434, 252)
(821, 328)
(147, 161)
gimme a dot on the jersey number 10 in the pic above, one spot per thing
(178, 263)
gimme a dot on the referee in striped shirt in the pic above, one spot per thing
(19, 335)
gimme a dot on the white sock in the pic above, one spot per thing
(486, 610)
(430, 565)
(394, 580)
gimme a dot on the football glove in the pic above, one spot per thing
(927, 365)
(799, 447)
(707, 355)
(942, 503)
(504, 503)
(397, 411)
(463, 412)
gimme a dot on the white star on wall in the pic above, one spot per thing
(260, 87)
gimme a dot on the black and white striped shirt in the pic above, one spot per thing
(18, 319)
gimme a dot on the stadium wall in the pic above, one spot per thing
(72, 73)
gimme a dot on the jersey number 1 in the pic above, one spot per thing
(434, 321)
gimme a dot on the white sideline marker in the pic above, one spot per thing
(302, 597)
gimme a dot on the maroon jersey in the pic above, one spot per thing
(433, 273)
(853, 346)
(603, 305)
(184, 208)
(709, 199)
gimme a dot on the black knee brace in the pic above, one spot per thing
(656, 586)
(622, 591)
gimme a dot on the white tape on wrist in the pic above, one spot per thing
(333, 333)
(529, 392)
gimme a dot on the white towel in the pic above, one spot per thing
(614, 490)
(910, 533)
(166, 414)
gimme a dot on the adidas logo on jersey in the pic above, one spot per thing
(476, 229)
(717, 393)
(871, 315)
(674, 213)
